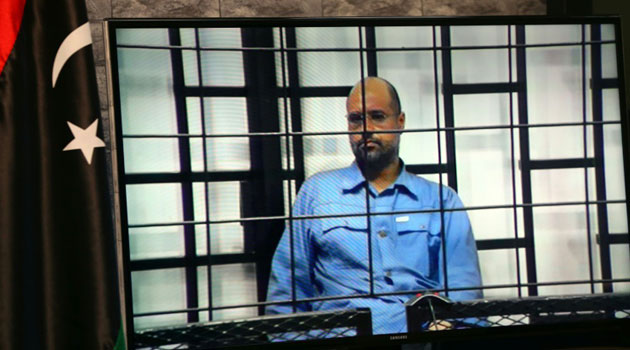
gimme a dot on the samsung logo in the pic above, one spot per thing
(398, 337)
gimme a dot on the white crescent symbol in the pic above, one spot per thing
(75, 41)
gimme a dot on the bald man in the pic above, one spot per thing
(330, 255)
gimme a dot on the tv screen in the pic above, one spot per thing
(327, 180)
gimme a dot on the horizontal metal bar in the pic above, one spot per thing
(358, 296)
(392, 131)
(420, 169)
(482, 88)
(200, 260)
(216, 176)
(214, 91)
(615, 238)
(502, 243)
(310, 217)
(568, 163)
(364, 49)
(606, 83)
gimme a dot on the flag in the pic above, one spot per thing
(58, 281)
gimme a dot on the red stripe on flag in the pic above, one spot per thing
(11, 12)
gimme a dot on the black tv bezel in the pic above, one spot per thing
(584, 333)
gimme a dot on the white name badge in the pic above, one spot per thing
(402, 219)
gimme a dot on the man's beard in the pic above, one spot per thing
(375, 160)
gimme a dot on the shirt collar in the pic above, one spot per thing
(354, 180)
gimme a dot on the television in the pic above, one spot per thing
(225, 130)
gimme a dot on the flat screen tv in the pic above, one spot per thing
(369, 181)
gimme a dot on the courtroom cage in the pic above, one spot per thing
(216, 124)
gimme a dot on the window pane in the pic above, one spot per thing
(154, 203)
(151, 155)
(232, 284)
(156, 242)
(221, 68)
(561, 240)
(329, 68)
(327, 37)
(556, 142)
(191, 68)
(483, 110)
(404, 36)
(613, 161)
(224, 204)
(498, 267)
(495, 223)
(412, 75)
(560, 185)
(478, 35)
(142, 36)
(550, 34)
(476, 152)
(480, 66)
(620, 268)
(158, 290)
(554, 85)
(146, 91)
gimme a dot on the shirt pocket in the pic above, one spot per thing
(343, 242)
(420, 239)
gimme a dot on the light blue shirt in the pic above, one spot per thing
(331, 254)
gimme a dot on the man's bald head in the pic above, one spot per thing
(377, 83)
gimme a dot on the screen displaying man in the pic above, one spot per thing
(331, 256)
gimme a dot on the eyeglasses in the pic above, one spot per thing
(356, 119)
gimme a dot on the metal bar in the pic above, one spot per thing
(348, 49)
(585, 152)
(615, 238)
(545, 164)
(426, 168)
(517, 254)
(184, 162)
(206, 202)
(308, 217)
(296, 125)
(481, 88)
(296, 106)
(501, 243)
(368, 210)
(370, 48)
(598, 148)
(526, 183)
(409, 293)
(391, 131)
(199, 260)
(448, 114)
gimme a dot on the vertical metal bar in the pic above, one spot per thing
(296, 106)
(526, 182)
(370, 43)
(446, 72)
(584, 143)
(598, 147)
(449, 112)
(204, 152)
(367, 183)
(192, 297)
(265, 193)
(287, 129)
(512, 166)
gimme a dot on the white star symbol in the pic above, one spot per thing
(85, 140)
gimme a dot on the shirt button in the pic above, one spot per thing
(382, 234)
(388, 274)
